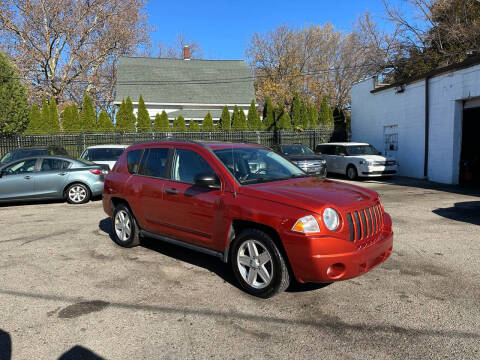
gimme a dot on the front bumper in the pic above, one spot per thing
(372, 171)
(328, 259)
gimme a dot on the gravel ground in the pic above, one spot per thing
(67, 291)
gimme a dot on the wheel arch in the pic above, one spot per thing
(351, 164)
(239, 225)
(73, 183)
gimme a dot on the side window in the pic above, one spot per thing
(154, 163)
(25, 166)
(132, 160)
(187, 164)
(54, 164)
(320, 149)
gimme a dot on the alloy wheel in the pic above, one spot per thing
(77, 193)
(255, 264)
(123, 225)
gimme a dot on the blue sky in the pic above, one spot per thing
(223, 28)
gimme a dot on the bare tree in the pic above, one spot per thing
(175, 50)
(314, 61)
(65, 47)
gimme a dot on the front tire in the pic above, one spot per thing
(78, 194)
(352, 173)
(125, 228)
(258, 265)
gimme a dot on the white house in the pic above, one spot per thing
(430, 124)
(185, 86)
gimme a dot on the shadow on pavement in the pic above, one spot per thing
(468, 212)
(5, 345)
(79, 353)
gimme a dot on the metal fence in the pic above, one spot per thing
(75, 144)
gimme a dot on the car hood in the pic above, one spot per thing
(371, 157)
(303, 157)
(311, 193)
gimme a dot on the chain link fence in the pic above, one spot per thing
(75, 144)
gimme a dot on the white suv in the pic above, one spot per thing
(356, 159)
(103, 154)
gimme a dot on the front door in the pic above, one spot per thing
(189, 211)
(17, 180)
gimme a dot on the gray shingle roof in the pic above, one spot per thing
(181, 81)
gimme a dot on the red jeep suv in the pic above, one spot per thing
(250, 207)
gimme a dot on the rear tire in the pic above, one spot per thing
(124, 228)
(258, 265)
(352, 173)
(78, 194)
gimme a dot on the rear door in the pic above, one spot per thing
(52, 177)
(341, 160)
(327, 153)
(190, 213)
(17, 180)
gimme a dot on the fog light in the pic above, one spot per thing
(336, 270)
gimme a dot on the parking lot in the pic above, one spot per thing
(67, 291)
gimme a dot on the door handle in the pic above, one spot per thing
(27, 177)
(171, 191)
(62, 174)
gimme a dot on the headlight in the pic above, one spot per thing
(366, 162)
(331, 219)
(306, 224)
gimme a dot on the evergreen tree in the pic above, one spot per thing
(71, 120)
(179, 124)
(104, 123)
(268, 115)
(296, 112)
(304, 123)
(193, 126)
(53, 118)
(88, 116)
(125, 119)
(284, 122)
(161, 122)
(34, 120)
(144, 123)
(207, 123)
(326, 116)
(225, 123)
(312, 116)
(44, 129)
(253, 119)
(14, 111)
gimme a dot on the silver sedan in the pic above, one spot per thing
(51, 177)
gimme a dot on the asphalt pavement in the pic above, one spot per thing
(68, 292)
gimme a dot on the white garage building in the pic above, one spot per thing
(430, 124)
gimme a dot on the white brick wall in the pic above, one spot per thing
(372, 111)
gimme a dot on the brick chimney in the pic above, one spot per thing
(186, 52)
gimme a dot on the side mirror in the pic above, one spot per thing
(2, 173)
(209, 180)
(379, 153)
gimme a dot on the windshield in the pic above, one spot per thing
(361, 150)
(256, 165)
(296, 150)
(102, 154)
(20, 154)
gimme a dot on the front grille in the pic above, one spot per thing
(364, 223)
(384, 163)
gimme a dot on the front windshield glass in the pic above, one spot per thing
(256, 165)
(296, 150)
(361, 150)
(102, 154)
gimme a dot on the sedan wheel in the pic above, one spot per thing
(78, 194)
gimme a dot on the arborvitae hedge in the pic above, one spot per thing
(326, 114)
(13, 100)
(53, 118)
(193, 126)
(207, 123)
(34, 120)
(179, 124)
(268, 115)
(104, 123)
(312, 116)
(225, 123)
(253, 119)
(161, 122)
(284, 122)
(143, 118)
(125, 119)
(71, 120)
(45, 117)
(88, 115)
(296, 112)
